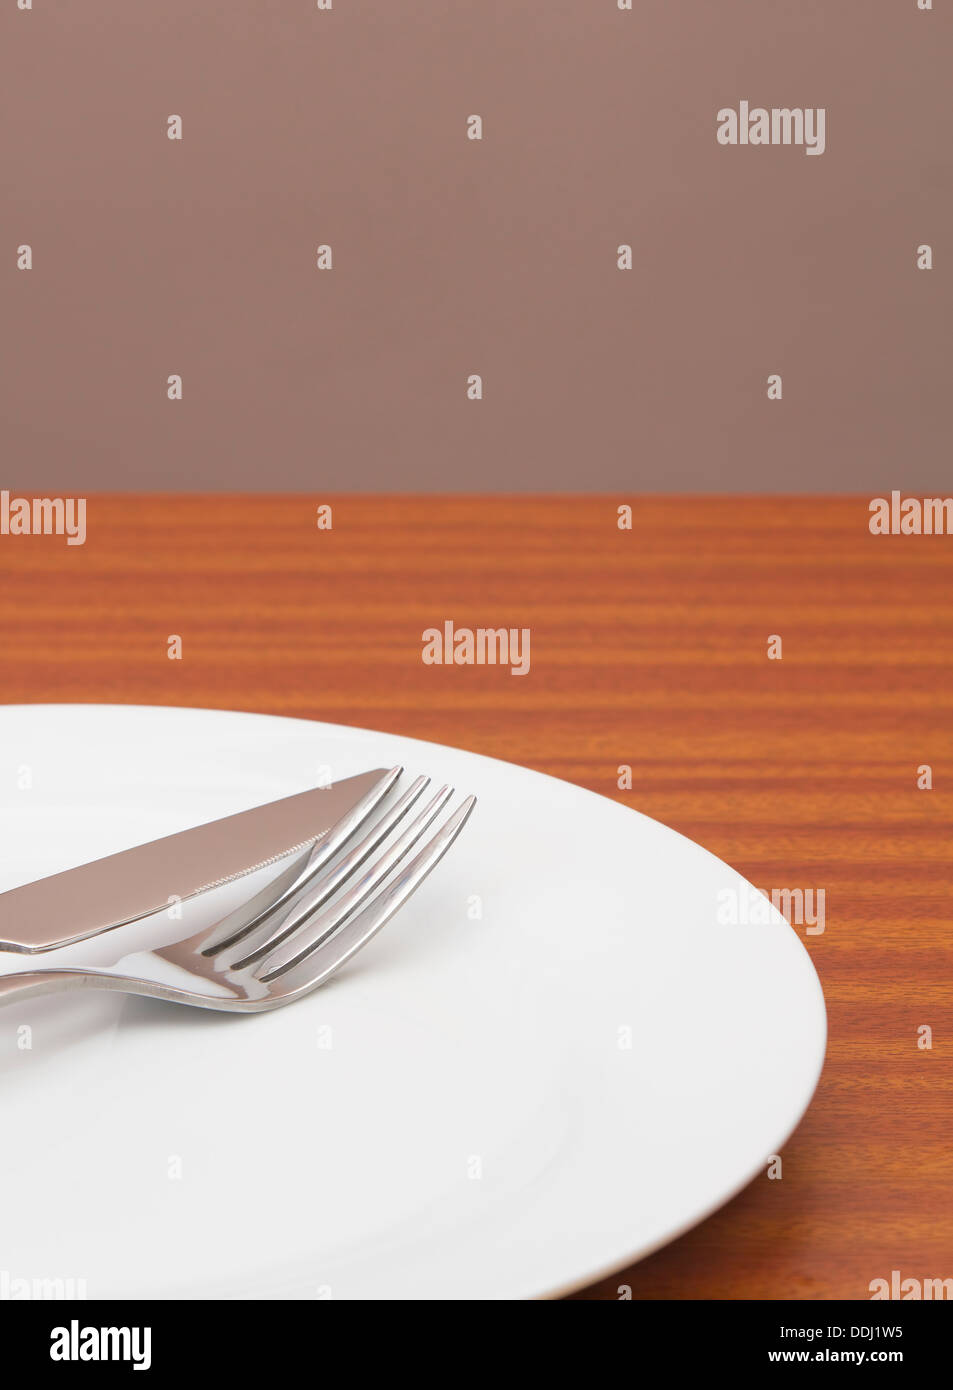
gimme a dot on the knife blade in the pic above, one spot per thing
(124, 887)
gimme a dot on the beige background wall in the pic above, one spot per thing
(154, 257)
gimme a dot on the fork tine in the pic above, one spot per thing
(318, 930)
(339, 875)
(359, 930)
(325, 848)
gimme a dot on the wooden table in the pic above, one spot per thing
(649, 647)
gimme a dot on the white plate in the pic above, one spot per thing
(458, 1113)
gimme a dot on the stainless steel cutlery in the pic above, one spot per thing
(150, 919)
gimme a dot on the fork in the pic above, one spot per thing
(273, 949)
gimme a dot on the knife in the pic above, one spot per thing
(107, 893)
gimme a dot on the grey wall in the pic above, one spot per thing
(154, 257)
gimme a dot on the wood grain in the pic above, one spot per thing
(648, 648)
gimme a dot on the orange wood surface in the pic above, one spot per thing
(649, 647)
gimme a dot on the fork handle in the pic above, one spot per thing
(19, 986)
